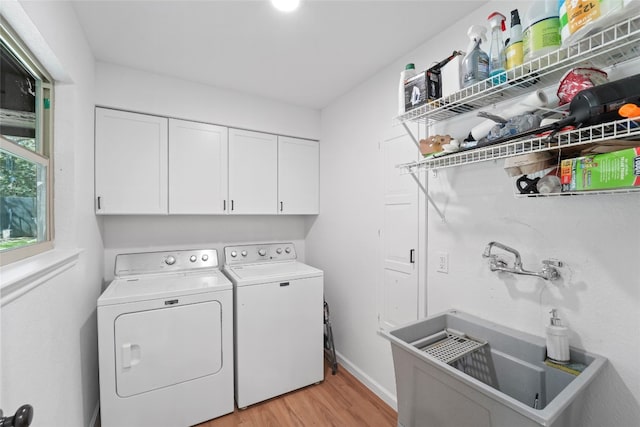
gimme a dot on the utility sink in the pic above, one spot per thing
(455, 370)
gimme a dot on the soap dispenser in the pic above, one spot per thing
(557, 339)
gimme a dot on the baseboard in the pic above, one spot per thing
(381, 392)
(95, 421)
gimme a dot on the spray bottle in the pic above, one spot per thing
(475, 65)
(497, 58)
(513, 51)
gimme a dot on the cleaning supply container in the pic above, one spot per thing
(497, 58)
(408, 72)
(513, 50)
(454, 369)
(542, 31)
(580, 18)
(475, 66)
(557, 339)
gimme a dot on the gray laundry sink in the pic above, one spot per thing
(455, 370)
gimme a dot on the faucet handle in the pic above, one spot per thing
(553, 263)
(496, 263)
(549, 269)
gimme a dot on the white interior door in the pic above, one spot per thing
(253, 172)
(399, 293)
(197, 168)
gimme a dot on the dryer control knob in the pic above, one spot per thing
(279, 250)
(170, 260)
(287, 250)
(193, 258)
(243, 253)
(205, 257)
(262, 252)
(234, 254)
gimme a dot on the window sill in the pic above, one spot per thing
(21, 277)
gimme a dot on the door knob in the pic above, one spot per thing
(22, 417)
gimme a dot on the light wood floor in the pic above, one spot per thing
(340, 400)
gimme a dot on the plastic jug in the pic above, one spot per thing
(542, 32)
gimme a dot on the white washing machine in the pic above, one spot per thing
(165, 340)
(278, 315)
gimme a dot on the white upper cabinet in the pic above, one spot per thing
(197, 168)
(131, 163)
(147, 164)
(298, 176)
(253, 172)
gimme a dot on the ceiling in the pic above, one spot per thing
(308, 57)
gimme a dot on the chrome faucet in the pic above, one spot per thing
(548, 272)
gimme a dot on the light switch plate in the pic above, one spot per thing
(443, 262)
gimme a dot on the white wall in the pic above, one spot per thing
(134, 90)
(597, 236)
(125, 234)
(49, 339)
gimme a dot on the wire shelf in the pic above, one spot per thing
(614, 45)
(582, 193)
(619, 129)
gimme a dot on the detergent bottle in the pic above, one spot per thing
(475, 65)
(408, 72)
(497, 58)
(542, 32)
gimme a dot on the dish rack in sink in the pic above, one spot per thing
(449, 345)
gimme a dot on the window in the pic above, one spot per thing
(26, 175)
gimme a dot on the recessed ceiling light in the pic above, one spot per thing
(285, 5)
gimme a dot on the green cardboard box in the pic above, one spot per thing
(618, 169)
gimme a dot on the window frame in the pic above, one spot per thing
(44, 141)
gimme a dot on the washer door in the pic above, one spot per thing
(167, 346)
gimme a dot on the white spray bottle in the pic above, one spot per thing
(475, 65)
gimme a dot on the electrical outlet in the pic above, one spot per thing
(443, 262)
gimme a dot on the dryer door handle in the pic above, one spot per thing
(130, 355)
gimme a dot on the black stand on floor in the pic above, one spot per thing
(329, 349)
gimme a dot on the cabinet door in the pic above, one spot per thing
(131, 163)
(197, 168)
(253, 172)
(298, 176)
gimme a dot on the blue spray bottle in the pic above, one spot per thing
(475, 65)
(497, 56)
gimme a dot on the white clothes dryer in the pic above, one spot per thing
(165, 340)
(279, 321)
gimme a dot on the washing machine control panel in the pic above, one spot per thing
(246, 254)
(165, 262)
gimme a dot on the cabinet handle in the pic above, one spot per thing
(232, 205)
(281, 206)
(99, 203)
(224, 205)
(411, 256)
